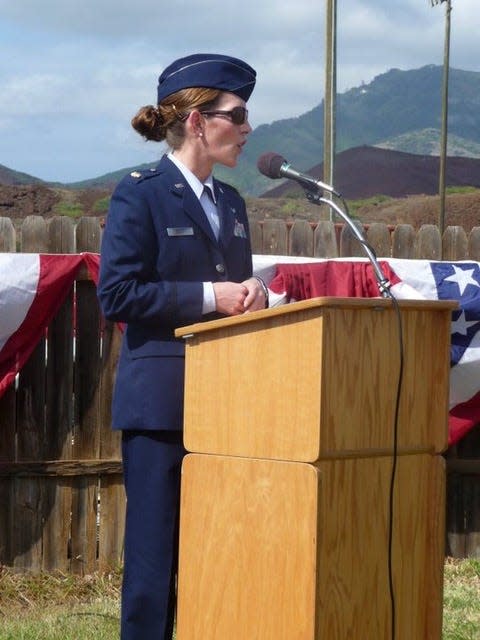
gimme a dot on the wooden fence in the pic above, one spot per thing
(61, 493)
(61, 486)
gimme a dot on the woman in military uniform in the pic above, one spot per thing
(175, 251)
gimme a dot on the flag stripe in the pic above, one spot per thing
(19, 275)
(55, 277)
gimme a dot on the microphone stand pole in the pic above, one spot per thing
(382, 281)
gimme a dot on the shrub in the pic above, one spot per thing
(101, 205)
(70, 209)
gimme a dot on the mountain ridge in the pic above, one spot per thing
(365, 171)
(399, 110)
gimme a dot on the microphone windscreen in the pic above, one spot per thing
(269, 164)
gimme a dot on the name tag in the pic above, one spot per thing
(180, 231)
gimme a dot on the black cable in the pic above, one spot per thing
(385, 291)
(394, 465)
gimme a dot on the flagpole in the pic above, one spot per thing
(329, 135)
(444, 132)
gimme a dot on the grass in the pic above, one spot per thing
(461, 189)
(355, 205)
(67, 607)
(59, 606)
(461, 600)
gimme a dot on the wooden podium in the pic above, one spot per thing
(285, 507)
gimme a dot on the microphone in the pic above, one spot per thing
(273, 165)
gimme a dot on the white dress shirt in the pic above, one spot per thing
(209, 206)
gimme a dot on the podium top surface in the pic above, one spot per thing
(312, 303)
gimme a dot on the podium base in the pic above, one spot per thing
(274, 550)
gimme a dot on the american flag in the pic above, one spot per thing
(33, 287)
(298, 279)
(458, 281)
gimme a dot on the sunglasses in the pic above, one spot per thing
(238, 115)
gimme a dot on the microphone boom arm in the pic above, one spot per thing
(382, 281)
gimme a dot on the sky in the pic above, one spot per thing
(73, 73)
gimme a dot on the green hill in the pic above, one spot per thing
(397, 110)
(393, 111)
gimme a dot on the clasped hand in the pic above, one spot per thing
(235, 298)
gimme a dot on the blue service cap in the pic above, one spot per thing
(210, 70)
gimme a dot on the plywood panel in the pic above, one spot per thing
(273, 550)
(258, 408)
(353, 581)
(362, 358)
(248, 549)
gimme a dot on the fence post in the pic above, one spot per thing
(7, 434)
(403, 241)
(256, 236)
(474, 244)
(34, 235)
(301, 239)
(378, 237)
(97, 348)
(325, 240)
(428, 244)
(30, 501)
(349, 245)
(455, 244)
(275, 237)
(463, 497)
(7, 236)
(86, 437)
(59, 410)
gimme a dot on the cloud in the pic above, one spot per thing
(160, 21)
(73, 73)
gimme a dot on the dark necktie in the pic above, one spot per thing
(211, 211)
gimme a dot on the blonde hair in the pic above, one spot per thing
(167, 120)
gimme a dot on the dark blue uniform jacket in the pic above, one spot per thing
(157, 249)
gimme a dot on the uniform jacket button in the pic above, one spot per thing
(220, 268)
